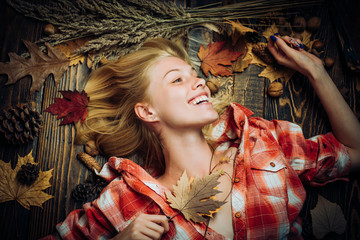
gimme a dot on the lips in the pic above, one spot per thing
(202, 98)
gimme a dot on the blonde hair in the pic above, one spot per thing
(113, 91)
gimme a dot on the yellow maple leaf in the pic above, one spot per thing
(272, 73)
(195, 198)
(12, 189)
(68, 48)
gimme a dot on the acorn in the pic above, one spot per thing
(313, 24)
(275, 89)
(90, 148)
(318, 45)
(49, 29)
(299, 24)
(213, 84)
(329, 62)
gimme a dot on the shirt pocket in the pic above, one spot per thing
(268, 170)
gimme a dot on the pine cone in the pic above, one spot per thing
(82, 192)
(253, 37)
(28, 174)
(20, 124)
(261, 51)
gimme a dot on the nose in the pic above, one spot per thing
(199, 82)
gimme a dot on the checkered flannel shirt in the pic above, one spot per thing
(272, 163)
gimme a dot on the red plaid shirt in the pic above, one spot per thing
(273, 160)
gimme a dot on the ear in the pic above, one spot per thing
(145, 113)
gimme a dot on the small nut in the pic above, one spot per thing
(91, 149)
(285, 29)
(313, 24)
(329, 62)
(213, 84)
(49, 29)
(318, 45)
(299, 24)
(275, 89)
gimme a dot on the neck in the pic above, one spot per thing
(185, 151)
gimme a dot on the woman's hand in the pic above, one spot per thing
(289, 53)
(145, 226)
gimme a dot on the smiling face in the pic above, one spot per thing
(178, 97)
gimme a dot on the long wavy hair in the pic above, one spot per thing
(113, 91)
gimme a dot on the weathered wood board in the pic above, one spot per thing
(55, 148)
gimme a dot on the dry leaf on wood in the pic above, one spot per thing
(214, 59)
(72, 107)
(327, 217)
(272, 73)
(12, 189)
(39, 66)
(69, 48)
(194, 199)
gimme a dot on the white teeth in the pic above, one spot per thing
(200, 99)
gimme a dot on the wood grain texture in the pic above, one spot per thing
(55, 148)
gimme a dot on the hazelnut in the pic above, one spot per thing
(318, 45)
(49, 29)
(275, 89)
(285, 29)
(329, 62)
(313, 24)
(91, 149)
(299, 24)
(213, 84)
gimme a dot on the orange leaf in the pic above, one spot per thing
(214, 59)
(68, 48)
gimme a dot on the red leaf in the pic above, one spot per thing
(71, 108)
(214, 59)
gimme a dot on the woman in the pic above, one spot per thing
(152, 101)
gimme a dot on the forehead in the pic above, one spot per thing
(169, 64)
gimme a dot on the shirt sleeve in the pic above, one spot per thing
(317, 160)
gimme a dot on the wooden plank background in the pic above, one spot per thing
(55, 148)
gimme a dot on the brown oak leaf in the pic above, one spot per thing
(26, 195)
(72, 107)
(39, 66)
(195, 198)
(214, 59)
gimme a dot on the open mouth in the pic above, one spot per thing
(199, 100)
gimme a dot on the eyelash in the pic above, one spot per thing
(177, 80)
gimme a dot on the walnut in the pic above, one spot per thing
(275, 89)
(50, 29)
(299, 24)
(313, 24)
(213, 84)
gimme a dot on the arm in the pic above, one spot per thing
(345, 126)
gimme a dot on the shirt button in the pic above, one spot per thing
(236, 180)
(272, 164)
(238, 215)
(242, 123)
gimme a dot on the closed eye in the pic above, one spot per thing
(177, 80)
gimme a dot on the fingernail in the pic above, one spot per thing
(273, 38)
(301, 46)
(276, 34)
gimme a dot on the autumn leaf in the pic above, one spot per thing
(72, 107)
(12, 189)
(214, 59)
(39, 66)
(68, 48)
(237, 26)
(195, 199)
(327, 217)
(272, 73)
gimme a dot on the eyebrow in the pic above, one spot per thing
(178, 69)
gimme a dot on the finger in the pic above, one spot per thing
(152, 234)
